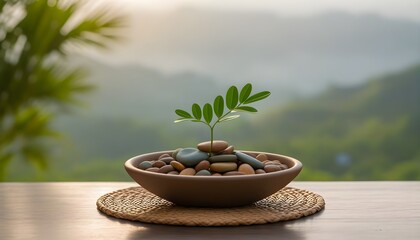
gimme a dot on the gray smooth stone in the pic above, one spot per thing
(245, 158)
(145, 165)
(223, 158)
(174, 153)
(203, 173)
(190, 157)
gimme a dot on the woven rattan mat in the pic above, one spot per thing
(137, 204)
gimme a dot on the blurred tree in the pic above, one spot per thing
(36, 37)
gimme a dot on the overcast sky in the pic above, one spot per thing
(405, 9)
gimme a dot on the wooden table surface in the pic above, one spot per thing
(354, 210)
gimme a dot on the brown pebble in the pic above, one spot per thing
(246, 169)
(272, 168)
(218, 146)
(167, 160)
(166, 169)
(262, 157)
(283, 166)
(173, 173)
(188, 172)
(222, 167)
(164, 156)
(259, 171)
(272, 163)
(159, 164)
(228, 150)
(216, 174)
(177, 165)
(233, 173)
(203, 165)
(153, 169)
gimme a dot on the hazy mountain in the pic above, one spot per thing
(194, 55)
(128, 91)
(366, 132)
(297, 54)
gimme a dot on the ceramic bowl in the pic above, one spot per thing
(213, 191)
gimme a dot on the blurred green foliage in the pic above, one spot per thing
(36, 37)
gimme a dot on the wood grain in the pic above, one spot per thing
(354, 210)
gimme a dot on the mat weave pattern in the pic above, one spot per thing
(137, 204)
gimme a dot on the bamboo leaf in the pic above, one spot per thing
(232, 98)
(183, 114)
(218, 106)
(257, 97)
(245, 92)
(208, 113)
(196, 111)
(246, 109)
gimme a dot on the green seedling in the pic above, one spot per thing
(235, 102)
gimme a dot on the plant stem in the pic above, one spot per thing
(211, 139)
(214, 124)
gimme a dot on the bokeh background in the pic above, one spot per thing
(85, 85)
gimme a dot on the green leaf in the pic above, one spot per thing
(232, 97)
(196, 111)
(208, 112)
(182, 120)
(257, 97)
(183, 113)
(246, 109)
(229, 118)
(245, 92)
(218, 106)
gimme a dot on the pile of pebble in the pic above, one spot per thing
(223, 161)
